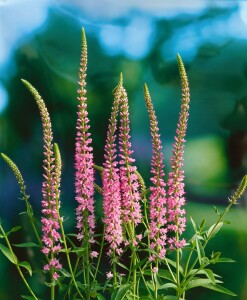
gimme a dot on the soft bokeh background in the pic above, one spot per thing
(40, 41)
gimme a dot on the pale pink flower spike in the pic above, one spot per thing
(176, 200)
(111, 184)
(84, 175)
(131, 209)
(50, 190)
(158, 201)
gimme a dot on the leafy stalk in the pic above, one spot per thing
(14, 260)
(25, 197)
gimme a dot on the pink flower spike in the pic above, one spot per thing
(111, 183)
(84, 175)
(51, 183)
(158, 200)
(131, 209)
(175, 183)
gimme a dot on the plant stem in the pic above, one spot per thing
(134, 274)
(212, 231)
(16, 263)
(52, 286)
(155, 281)
(114, 267)
(100, 253)
(168, 266)
(68, 259)
(87, 271)
(232, 201)
(177, 267)
(67, 251)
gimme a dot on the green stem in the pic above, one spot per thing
(67, 252)
(71, 281)
(212, 231)
(87, 271)
(52, 285)
(143, 278)
(233, 201)
(16, 263)
(177, 267)
(68, 259)
(100, 254)
(155, 281)
(114, 268)
(130, 268)
(188, 260)
(168, 266)
(134, 274)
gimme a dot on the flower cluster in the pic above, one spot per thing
(158, 201)
(131, 208)
(111, 183)
(175, 183)
(84, 175)
(143, 223)
(50, 190)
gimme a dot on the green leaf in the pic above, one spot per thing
(165, 274)
(215, 255)
(26, 265)
(141, 263)
(210, 274)
(199, 282)
(169, 297)
(212, 231)
(65, 273)
(26, 245)
(205, 261)
(218, 288)
(227, 222)
(174, 264)
(6, 252)
(72, 234)
(122, 265)
(100, 297)
(167, 286)
(216, 210)
(150, 285)
(78, 250)
(16, 228)
(81, 285)
(27, 297)
(200, 250)
(202, 224)
(193, 224)
(122, 291)
(29, 210)
(224, 260)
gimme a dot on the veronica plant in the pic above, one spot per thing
(142, 236)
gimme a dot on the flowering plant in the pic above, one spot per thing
(142, 227)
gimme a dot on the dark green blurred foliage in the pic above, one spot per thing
(215, 155)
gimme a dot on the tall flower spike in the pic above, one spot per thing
(111, 182)
(176, 200)
(84, 175)
(131, 208)
(158, 200)
(50, 223)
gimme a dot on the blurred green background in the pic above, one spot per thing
(40, 41)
